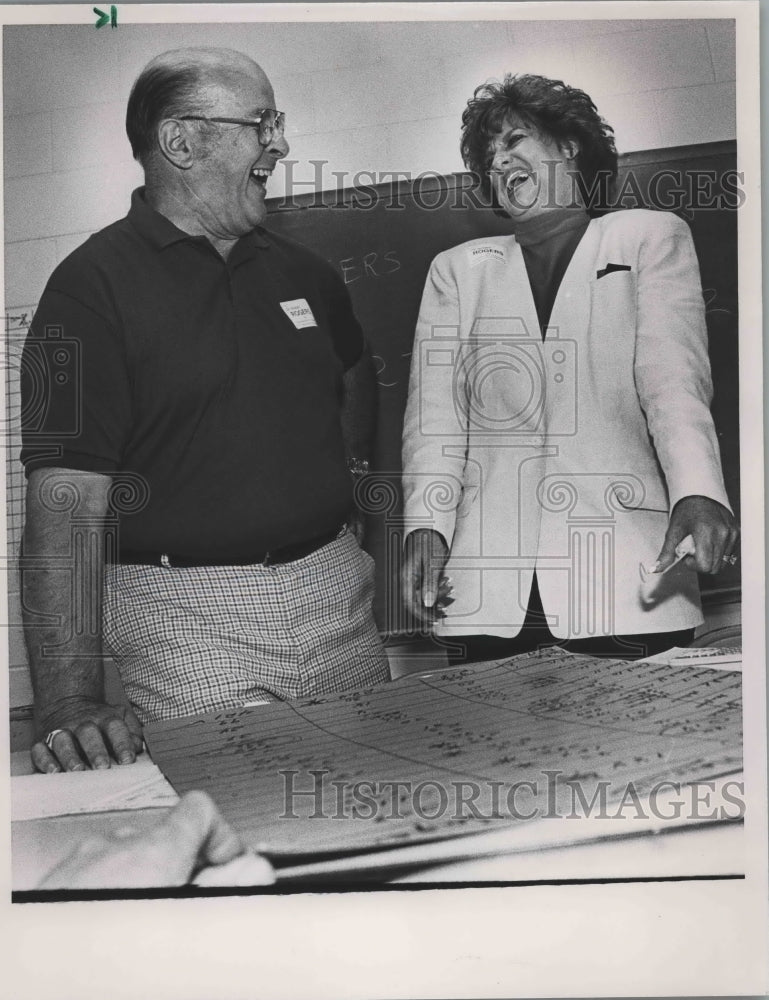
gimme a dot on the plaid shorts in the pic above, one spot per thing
(197, 639)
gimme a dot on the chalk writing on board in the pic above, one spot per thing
(403, 760)
(370, 265)
(710, 295)
(381, 365)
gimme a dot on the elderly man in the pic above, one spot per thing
(225, 386)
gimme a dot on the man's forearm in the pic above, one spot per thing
(62, 570)
(64, 658)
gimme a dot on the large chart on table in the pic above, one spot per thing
(401, 762)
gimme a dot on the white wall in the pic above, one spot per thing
(363, 97)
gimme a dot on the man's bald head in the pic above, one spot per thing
(182, 81)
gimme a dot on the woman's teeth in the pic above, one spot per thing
(514, 181)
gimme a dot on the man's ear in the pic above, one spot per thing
(571, 148)
(174, 143)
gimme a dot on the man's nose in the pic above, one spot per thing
(279, 147)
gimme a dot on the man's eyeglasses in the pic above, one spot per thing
(269, 123)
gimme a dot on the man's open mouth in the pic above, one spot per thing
(261, 175)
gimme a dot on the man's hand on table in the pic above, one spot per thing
(191, 835)
(87, 734)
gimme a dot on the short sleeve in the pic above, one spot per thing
(75, 391)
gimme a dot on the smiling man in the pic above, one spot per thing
(217, 366)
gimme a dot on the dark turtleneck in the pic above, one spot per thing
(548, 242)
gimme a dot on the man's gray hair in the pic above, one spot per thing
(162, 90)
(173, 84)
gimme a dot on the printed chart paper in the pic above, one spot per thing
(457, 751)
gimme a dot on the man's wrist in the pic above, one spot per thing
(49, 703)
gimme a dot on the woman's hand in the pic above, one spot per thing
(713, 529)
(426, 590)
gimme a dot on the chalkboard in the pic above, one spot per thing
(382, 239)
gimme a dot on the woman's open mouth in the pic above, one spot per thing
(514, 182)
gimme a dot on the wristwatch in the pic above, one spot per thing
(358, 466)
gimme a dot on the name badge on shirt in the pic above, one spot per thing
(485, 252)
(299, 312)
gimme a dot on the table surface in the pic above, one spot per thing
(698, 851)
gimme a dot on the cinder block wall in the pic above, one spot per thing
(359, 97)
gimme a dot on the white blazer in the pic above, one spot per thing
(564, 456)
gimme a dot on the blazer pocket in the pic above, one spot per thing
(612, 269)
(613, 297)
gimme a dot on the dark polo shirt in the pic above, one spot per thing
(186, 370)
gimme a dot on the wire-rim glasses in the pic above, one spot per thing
(269, 123)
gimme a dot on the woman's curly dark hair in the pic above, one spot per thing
(551, 107)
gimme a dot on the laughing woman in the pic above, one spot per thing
(558, 431)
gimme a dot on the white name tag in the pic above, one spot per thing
(479, 254)
(299, 312)
(486, 252)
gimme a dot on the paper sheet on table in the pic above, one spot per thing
(133, 786)
(723, 657)
(397, 764)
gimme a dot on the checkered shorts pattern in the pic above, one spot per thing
(203, 638)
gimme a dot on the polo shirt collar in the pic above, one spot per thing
(162, 233)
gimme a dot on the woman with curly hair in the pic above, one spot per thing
(558, 431)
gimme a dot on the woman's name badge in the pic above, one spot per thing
(299, 312)
(487, 252)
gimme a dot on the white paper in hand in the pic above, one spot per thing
(652, 580)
